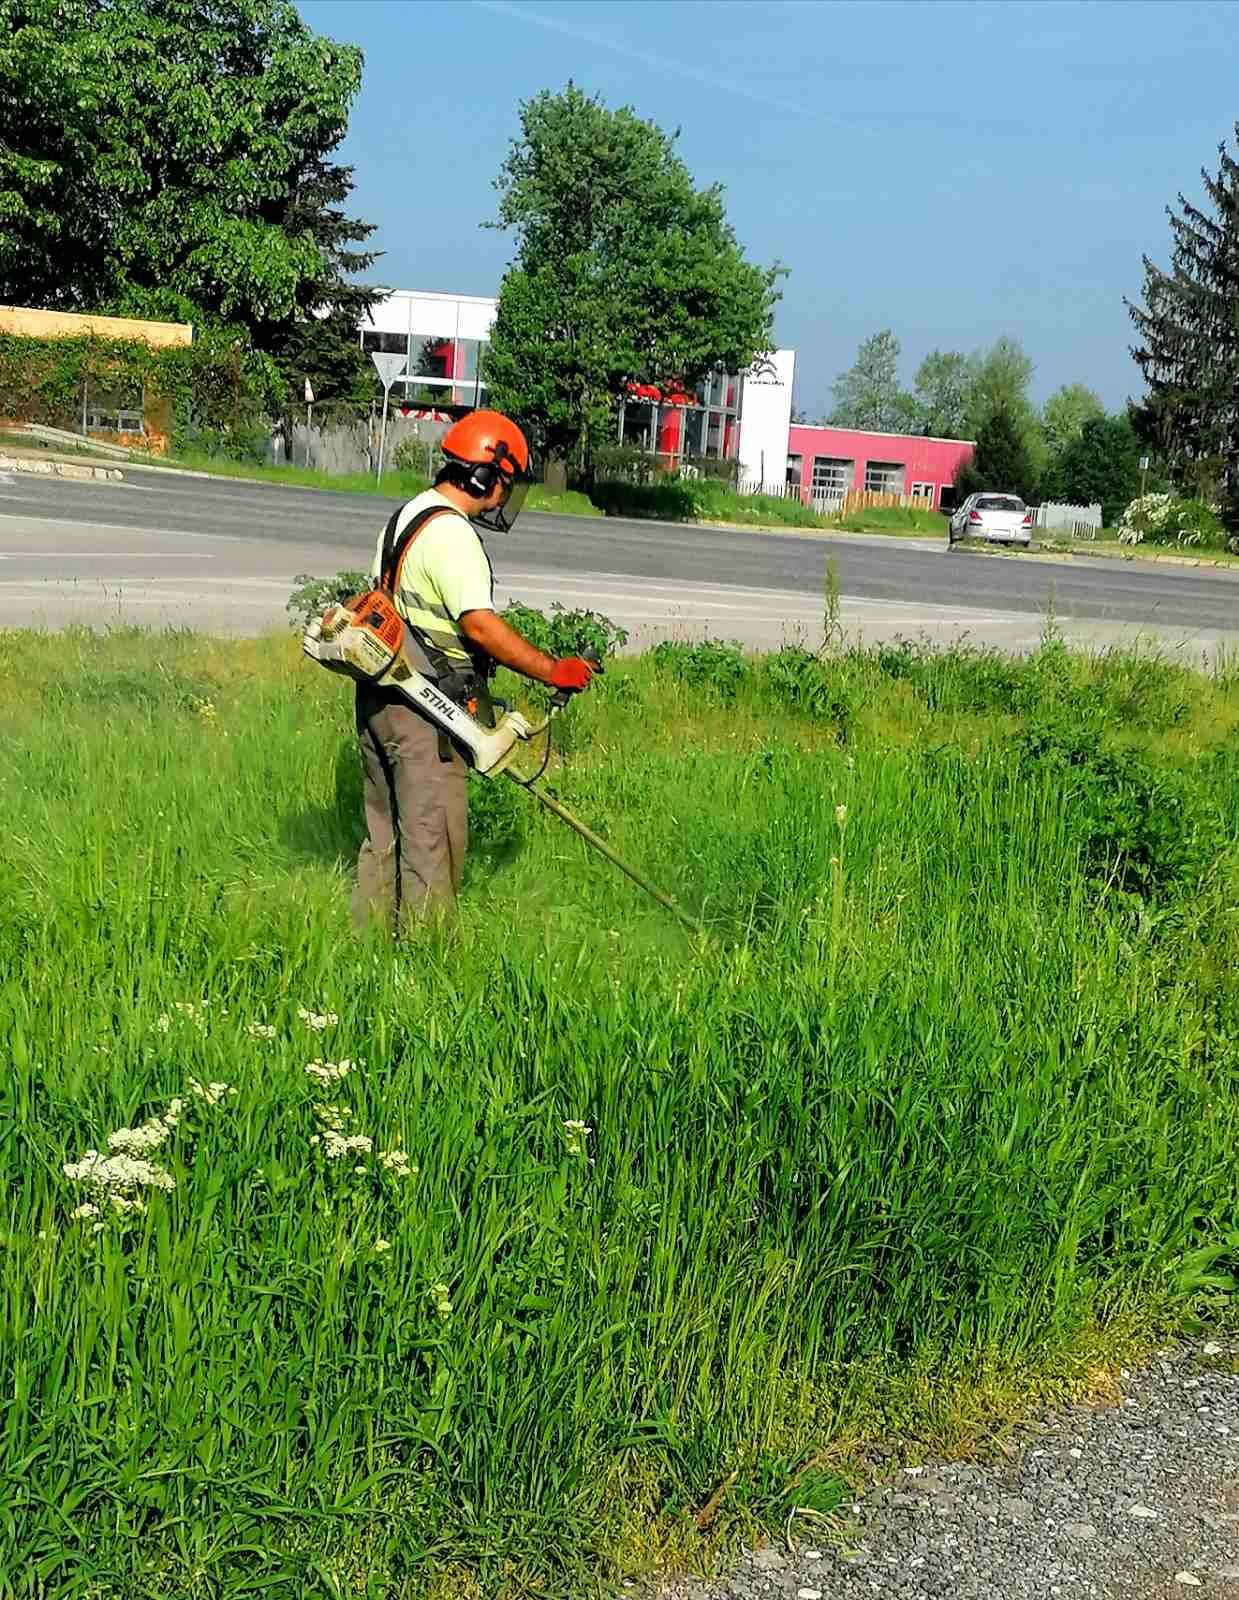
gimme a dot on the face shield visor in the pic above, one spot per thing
(499, 519)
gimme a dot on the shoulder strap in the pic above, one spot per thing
(394, 548)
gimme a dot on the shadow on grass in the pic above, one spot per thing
(330, 834)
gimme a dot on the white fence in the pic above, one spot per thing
(1081, 522)
(826, 504)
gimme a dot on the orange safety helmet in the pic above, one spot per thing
(486, 450)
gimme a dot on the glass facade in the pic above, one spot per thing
(679, 428)
(442, 338)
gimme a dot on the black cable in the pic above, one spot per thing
(528, 783)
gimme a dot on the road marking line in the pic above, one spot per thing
(103, 555)
(122, 527)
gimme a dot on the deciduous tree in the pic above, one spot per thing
(624, 273)
(868, 395)
(941, 392)
(171, 158)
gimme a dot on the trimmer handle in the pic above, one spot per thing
(561, 697)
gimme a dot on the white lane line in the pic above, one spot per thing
(122, 527)
(103, 555)
(145, 581)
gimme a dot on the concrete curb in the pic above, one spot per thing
(60, 469)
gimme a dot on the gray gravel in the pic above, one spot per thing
(1139, 1500)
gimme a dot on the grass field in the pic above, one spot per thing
(596, 1216)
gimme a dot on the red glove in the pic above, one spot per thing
(573, 672)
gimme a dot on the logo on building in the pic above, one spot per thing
(764, 370)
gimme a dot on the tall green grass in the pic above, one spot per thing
(957, 1072)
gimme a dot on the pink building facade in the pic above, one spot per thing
(830, 463)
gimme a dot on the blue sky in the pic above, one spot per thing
(952, 169)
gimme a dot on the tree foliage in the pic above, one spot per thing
(953, 395)
(624, 272)
(940, 390)
(1188, 332)
(1002, 461)
(1065, 413)
(1101, 466)
(169, 158)
(998, 381)
(868, 395)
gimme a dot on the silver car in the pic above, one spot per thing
(997, 518)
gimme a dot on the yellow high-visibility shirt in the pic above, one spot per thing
(445, 572)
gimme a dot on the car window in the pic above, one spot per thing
(999, 502)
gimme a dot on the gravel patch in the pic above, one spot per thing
(1139, 1500)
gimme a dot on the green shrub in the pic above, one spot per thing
(313, 595)
(711, 663)
(248, 446)
(564, 632)
(1167, 519)
(799, 679)
(1139, 824)
(421, 456)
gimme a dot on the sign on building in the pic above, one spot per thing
(765, 417)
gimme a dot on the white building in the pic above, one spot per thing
(442, 337)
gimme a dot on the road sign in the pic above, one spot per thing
(309, 393)
(1144, 463)
(389, 365)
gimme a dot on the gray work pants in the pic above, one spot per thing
(416, 817)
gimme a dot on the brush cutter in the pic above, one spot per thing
(366, 639)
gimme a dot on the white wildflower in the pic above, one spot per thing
(841, 815)
(134, 1141)
(85, 1211)
(574, 1133)
(397, 1163)
(329, 1071)
(121, 1173)
(260, 1030)
(442, 1297)
(212, 1093)
(332, 1116)
(380, 1245)
(122, 1205)
(336, 1144)
(317, 1020)
(163, 1022)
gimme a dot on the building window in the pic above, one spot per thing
(832, 476)
(795, 471)
(884, 477)
(391, 344)
(924, 492)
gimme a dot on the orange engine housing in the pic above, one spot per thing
(375, 612)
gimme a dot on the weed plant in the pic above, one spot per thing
(478, 1263)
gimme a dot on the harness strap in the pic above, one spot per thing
(450, 675)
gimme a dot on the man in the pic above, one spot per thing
(415, 780)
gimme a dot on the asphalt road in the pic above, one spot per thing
(221, 554)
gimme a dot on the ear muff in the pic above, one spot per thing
(486, 475)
